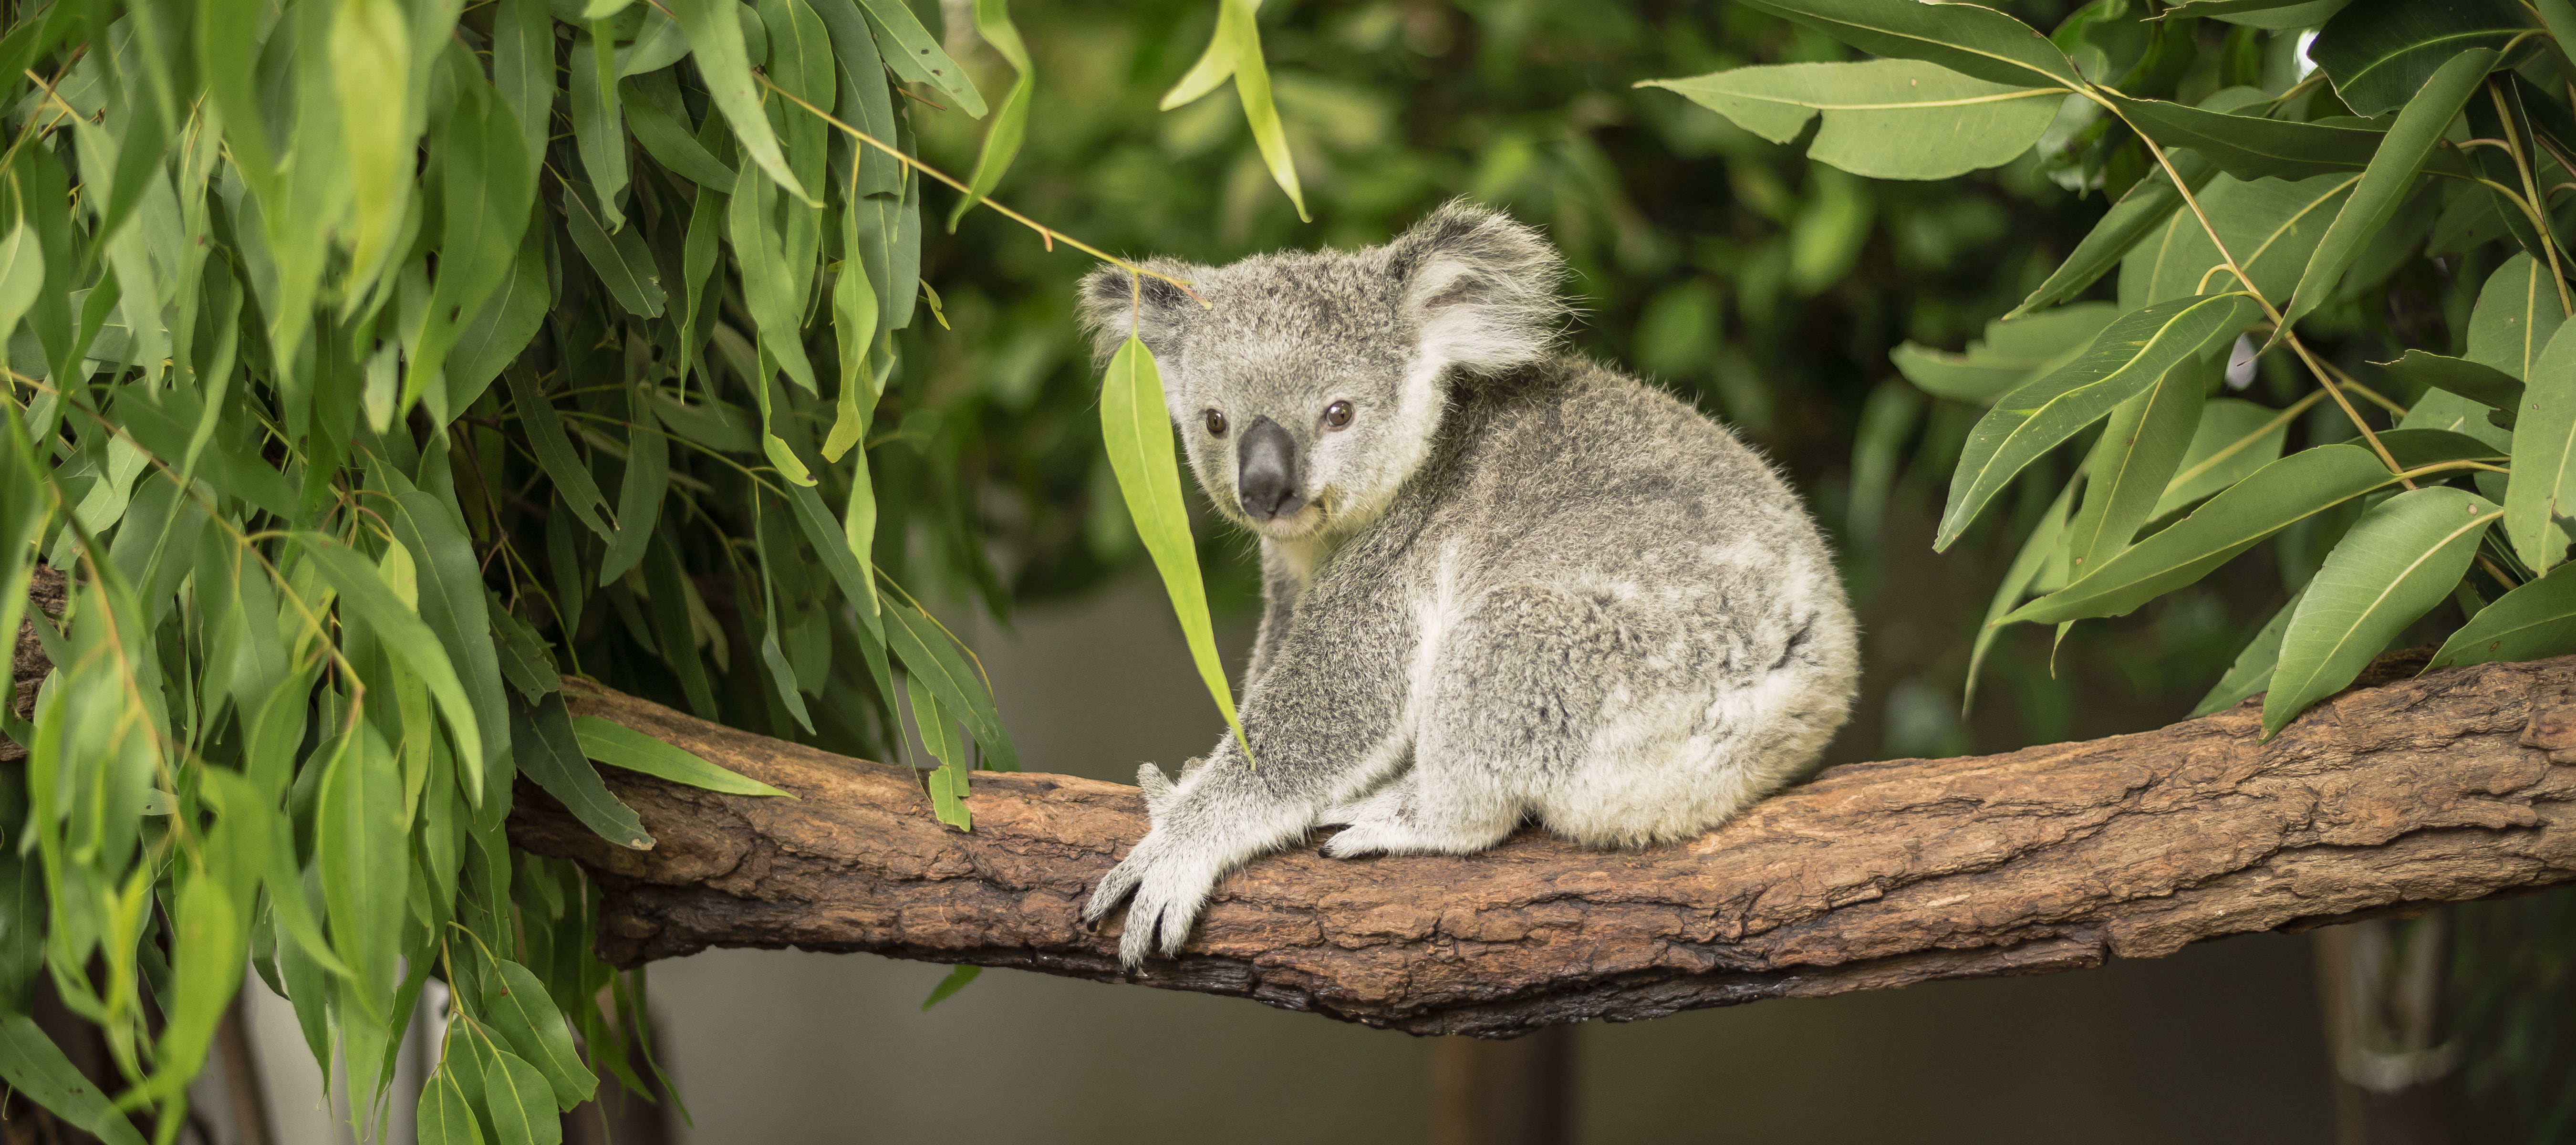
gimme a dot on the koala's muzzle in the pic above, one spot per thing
(1265, 473)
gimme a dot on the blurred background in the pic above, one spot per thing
(1731, 271)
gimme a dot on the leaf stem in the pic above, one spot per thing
(1050, 234)
(2296, 346)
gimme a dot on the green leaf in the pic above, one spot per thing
(617, 745)
(774, 284)
(599, 122)
(2252, 670)
(715, 41)
(504, 325)
(2250, 146)
(950, 985)
(443, 1118)
(519, 1100)
(404, 637)
(2127, 357)
(526, 662)
(2517, 313)
(550, 753)
(2541, 495)
(948, 788)
(2382, 53)
(515, 1005)
(2034, 553)
(1138, 430)
(2532, 622)
(207, 951)
(931, 655)
(624, 263)
(32, 1065)
(2014, 351)
(674, 632)
(2234, 438)
(545, 436)
(2395, 564)
(359, 848)
(487, 190)
(654, 112)
(1976, 41)
(2475, 381)
(909, 50)
(2295, 487)
(2272, 226)
(1887, 119)
(2141, 447)
(1002, 138)
(452, 603)
(639, 496)
(2390, 177)
(523, 69)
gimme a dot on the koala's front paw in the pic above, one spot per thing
(1170, 888)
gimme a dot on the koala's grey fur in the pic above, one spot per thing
(1520, 584)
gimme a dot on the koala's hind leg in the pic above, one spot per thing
(1503, 710)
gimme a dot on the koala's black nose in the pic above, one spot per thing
(1265, 474)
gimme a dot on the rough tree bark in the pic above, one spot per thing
(2386, 799)
(2454, 785)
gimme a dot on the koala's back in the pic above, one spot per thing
(1621, 598)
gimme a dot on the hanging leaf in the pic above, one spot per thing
(2398, 561)
(1002, 137)
(2013, 352)
(2252, 671)
(549, 752)
(1138, 430)
(1887, 119)
(515, 1005)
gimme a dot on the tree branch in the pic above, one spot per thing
(2387, 799)
(2452, 786)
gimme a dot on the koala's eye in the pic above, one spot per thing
(1215, 423)
(1337, 414)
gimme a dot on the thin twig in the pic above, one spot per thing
(1049, 233)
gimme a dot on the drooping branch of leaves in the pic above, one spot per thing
(2431, 140)
(370, 363)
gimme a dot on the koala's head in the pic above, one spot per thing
(1309, 386)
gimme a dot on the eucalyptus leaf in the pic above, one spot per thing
(617, 745)
(1887, 119)
(2395, 564)
(2127, 357)
(2535, 621)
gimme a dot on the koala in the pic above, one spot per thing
(1501, 582)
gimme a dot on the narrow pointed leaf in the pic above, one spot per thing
(617, 745)
(549, 752)
(2398, 561)
(715, 42)
(1138, 430)
(2127, 357)
(32, 1065)
(516, 1006)
(2382, 54)
(1887, 119)
(2389, 179)
(1002, 137)
(2288, 490)
(2140, 449)
(405, 637)
(2534, 621)
(2013, 352)
(909, 49)
(2540, 499)
(544, 433)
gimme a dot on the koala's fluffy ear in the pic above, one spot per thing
(1481, 288)
(1115, 302)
